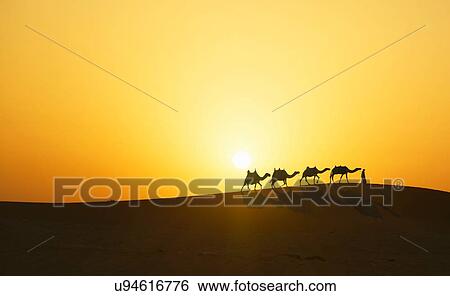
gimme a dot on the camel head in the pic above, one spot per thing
(265, 176)
(322, 171)
(355, 170)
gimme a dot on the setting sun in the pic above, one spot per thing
(241, 160)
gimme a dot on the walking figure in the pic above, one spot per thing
(363, 177)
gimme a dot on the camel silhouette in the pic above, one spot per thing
(312, 172)
(341, 170)
(253, 178)
(281, 175)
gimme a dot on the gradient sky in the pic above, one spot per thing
(225, 65)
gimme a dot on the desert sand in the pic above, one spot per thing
(307, 240)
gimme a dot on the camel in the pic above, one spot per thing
(281, 175)
(341, 170)
(253, 178)
(312, 172)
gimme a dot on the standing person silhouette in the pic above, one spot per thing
(363, 177)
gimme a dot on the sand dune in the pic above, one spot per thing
(307, 240)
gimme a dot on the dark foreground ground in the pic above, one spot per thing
(306, 240)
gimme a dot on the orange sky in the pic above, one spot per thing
(224, 65)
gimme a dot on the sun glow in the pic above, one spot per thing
(241, 160)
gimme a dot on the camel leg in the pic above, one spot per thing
(242, 187)
(346, 177)
(318, 179)
(300, 183)
(331, 178)
(340, 178)
(306, 179)
(255, 187)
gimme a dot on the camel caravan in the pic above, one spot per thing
(253, 178)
